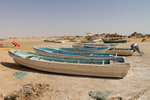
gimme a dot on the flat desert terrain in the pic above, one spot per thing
(69, 87)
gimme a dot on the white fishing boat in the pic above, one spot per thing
(78, 66)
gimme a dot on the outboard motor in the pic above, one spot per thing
(135, 48)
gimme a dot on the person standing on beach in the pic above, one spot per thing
(15, 44)
(135, 48)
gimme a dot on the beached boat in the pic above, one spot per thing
(113, 49)
(46, 40)
(114, 41)
(58, 41)
(108, 67)
(120, 51)
(87, 41)
(85, 45)
(96, 49)
(55, 52)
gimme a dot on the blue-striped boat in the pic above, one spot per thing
(57, 52)
(108, 67)
(96, 49)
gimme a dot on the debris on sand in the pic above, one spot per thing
(138, 95)
(1, 96)
(20, 75)
(28, 92)
(143, 40)
(117, 98)
(98, 95)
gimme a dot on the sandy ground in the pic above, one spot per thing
(67, 87)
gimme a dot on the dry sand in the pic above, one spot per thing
(67, 87)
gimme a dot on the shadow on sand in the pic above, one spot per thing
(27, 69)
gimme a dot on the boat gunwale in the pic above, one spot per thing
(86, 49)
(115, 44)
(46, 51)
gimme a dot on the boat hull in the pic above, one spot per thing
(110, 70)
(54, 52)
(121, 52)
(114, 41)
(62, 55)
(86, 50)
(83, 45)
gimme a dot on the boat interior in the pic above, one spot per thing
(50, 50)
(75, 60)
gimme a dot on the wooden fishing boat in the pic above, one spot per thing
(55, 52)
(96, 49)
(108, 67)
(121, 51)
(114, 41)
(85, 45)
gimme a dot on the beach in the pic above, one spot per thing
(71, 87)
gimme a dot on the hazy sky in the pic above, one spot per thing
(73, 17)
